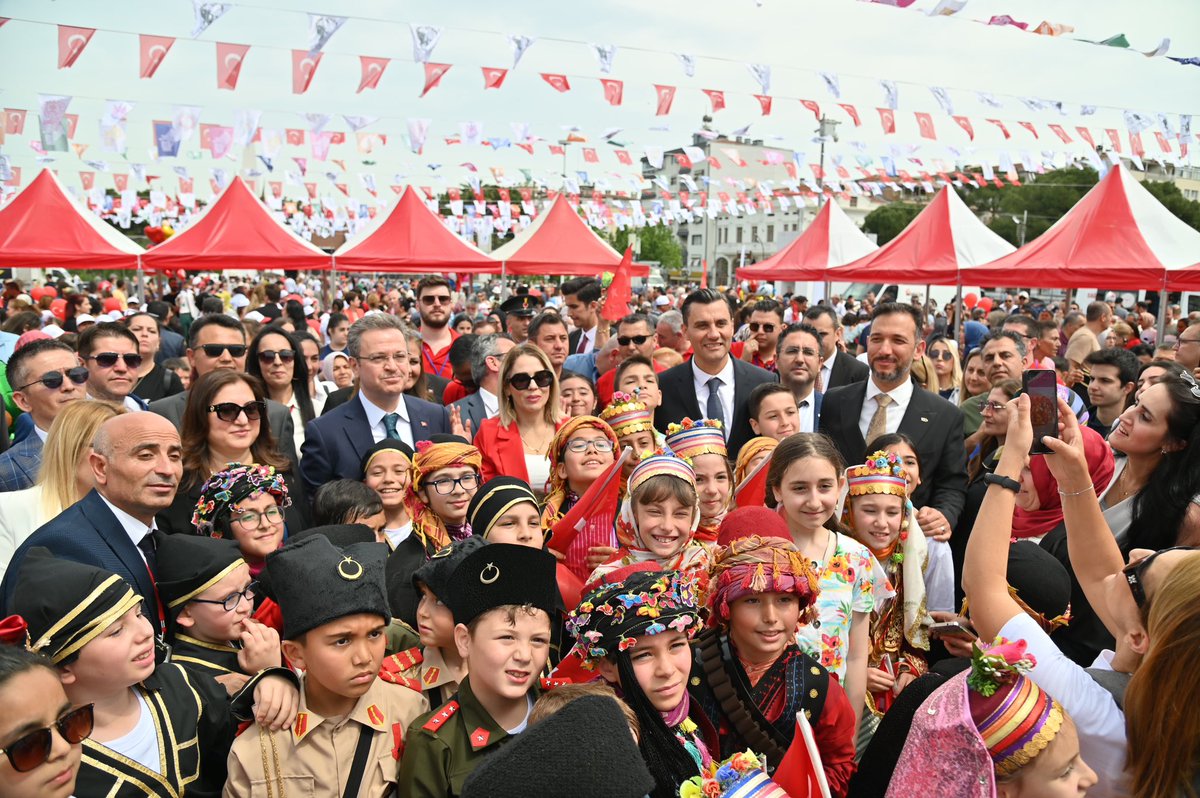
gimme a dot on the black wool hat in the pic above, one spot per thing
(314, 582)
(589, 739)
(502, 574)
(435, 573)
(67, 604)
(190, 564)
(495, 498)
(340, 535)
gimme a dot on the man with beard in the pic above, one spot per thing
(854, 415)
(798, 361)
(434, 305)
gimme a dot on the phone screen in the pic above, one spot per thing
(1042, 388)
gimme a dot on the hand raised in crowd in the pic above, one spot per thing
(260, 647)
(458, 426)
(933, 523)
(749, 349)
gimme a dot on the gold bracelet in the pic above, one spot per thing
(1062, 492)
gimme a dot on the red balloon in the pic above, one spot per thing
(970, 300)
(155, 234)
(36, 293)
(181, 274)
(59, 308)
(111, 303)
(50, 291)
(986, 304)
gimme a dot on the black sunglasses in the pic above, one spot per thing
(109, 359)
(266, 356)
(229, 411)
(33, 749)
(626, 340)
(54, 379)
(1135, 573)
(542, 379)
(767, 327)
(216, 350)
(945, 354)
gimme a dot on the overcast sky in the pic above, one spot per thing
(858, 41)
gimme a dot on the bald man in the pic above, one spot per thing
(136, 464)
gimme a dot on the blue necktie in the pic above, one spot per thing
(389, 424)
(714, 409)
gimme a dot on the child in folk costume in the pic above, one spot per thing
(387, 469)
(750, 676)
(632, 422)
(335, 615)
(702, 444)
(753, 452)
(636, 631)
(992, 733)
(445, 476)
(877, 513)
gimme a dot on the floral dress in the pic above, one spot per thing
(847, 587)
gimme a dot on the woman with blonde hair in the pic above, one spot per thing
(516, 442)
(924, 373)
(64, 478)
(947, 366)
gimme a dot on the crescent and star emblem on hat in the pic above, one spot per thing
(489, 574)
(350, 569)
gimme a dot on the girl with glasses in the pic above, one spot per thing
(517, 441)
(276, 358)
(445, 475)
(245, 503)
(583, 449)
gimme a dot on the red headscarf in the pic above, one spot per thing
(1033, 523)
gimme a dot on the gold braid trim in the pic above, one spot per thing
(267, 736)
(1036, 744)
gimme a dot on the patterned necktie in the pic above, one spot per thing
(389, 424)
(715, 410)
(878, 424)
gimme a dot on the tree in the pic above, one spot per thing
(1170, 196)
(1042, 199)
(655, 242)
(887, 221)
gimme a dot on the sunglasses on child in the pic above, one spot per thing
(216, 350)
(54, 379)
(229, 411)
(107, 360)
(33, 749)
(542, 379)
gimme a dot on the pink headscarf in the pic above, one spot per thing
(1034, 523)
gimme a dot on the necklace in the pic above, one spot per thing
(540, 448)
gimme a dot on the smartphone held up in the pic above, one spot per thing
(1042, 388)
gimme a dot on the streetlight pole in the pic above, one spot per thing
(826, 131)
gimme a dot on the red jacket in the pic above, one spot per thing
(502, 450)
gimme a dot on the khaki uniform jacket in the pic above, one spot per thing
(314, 757)
(427, 669)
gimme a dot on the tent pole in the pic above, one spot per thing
(503, 281)
(958, 316)
(1163, 305)
(141, 281)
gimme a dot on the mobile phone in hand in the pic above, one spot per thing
(1042, 388)
(951, 629)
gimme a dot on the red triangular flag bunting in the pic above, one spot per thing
(614, 90)
(493, 77)
(717, 98)
(966, 125)
(372, 71)
(666, 96)
(887, 118)
(812, 106)
(71, 41)
(229, 64)
(925, 123)
(433, 75)
(1062, 134)
(1029, 126)
(304, 66)
(557, 82)
(1003, 129)
(153, 51)
(1115, 138)
(1086, 135)
(852, 112)
(764, 102)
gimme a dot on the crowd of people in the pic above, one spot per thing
(422, 538)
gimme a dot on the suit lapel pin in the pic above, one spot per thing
(924, 420)
(426, 424)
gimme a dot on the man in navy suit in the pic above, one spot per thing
(137, 462)
(798, 361)
(712, 384)
(45, 376)
(837, 367)
(335, 443)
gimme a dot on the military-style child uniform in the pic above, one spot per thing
(316, 583)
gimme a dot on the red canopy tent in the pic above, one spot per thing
(43, 226)
(831, 240)
(236, 232)
(944, 238)
(560, 243)
(411, 239)
(1118, 236)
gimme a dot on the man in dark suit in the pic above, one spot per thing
(486, 353)
(712, 384)
(137, 462)
(217, 341)
(890, 401)
(837, 367)
(581, 299)
(334, 444)
(798, 360)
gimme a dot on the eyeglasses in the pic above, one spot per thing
(33, 749)
(579, 445)
(542, 379)
(445, 487)
(945, 354)
(766, 327)
(1135, 573)
(636, 340)
(995, 407)
(795, 351)
(268, 356)
(54, 379)
(1181, 342)
(107, 360)
(429, 299)
(252, 519)
(229, 411)
(231, 602)
(216, 350)
(380, 359)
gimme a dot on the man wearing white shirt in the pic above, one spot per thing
(110, 352)
(486, 354)
(799, 352)
(581, 297)
(837, 367)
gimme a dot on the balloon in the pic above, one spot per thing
(112, 303)
(50, 291)
(970, 300)
(59, 308)
(167, 230)
(155, 234)
(181, 274)
(36, 293)
(986, 304)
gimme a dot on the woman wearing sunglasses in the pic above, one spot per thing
(944, 354)
(41, 735)
(516, 443)
(224, 423)
(153, 381)
(276, 358)
(1132, 730)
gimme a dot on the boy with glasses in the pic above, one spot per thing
(110, 351)
(46, 376)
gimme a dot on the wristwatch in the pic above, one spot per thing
(1004, 482)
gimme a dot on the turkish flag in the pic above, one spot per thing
(121, 182)
(304, 66)
(557, 82)
(1062, 134)
(752, 492)
(14, 121)
(187, 185)
(525, 146)
(666, 96)
(614, 90)
(343, 188)
(372, 71)
(591, 520)
(1163, 144)
(295, 136)
(590, 156)
(620, 292)
(764, 102)
(812, 106)
(818, 172)
(71, 41)
(852, 112)
(1029, 126)
(556, 149)
(1002, 127)
(1086, 135)
(493, 77)
(623, 157)
(276, 188)
(229, 64)
(312, 190)
(397, 189)
(72, 123)
(433, 75)
(965, 124)
(88, 179)
(526, 194)
(1115, 138)
(717, 98)
(153, 51)
(925, 123)
(800, 773)
(1135, 144)
(887, 118)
